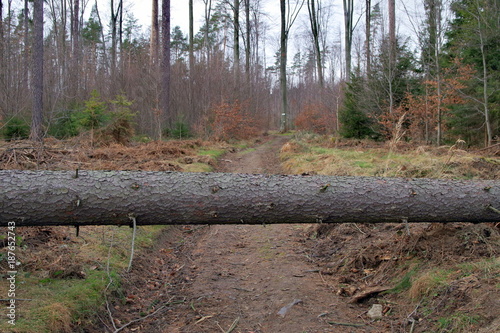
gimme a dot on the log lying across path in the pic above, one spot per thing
(35, 198)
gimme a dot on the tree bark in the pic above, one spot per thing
(368, 36)
(2, 57)
(165, 63)
(247, 41)
(349, 30)
(75, 35)
(153, 48)
(236, 40)
(283, 59)
(392, 30)
(37, 114)
(191, 38)
(313, 20)
(111, 197)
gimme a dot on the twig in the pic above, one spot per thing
(494, 209)
(134, 225)
(413, 321)
(233, 326)
(361, 231)
(202, 319)
(489, 147)
(138, 319)
(220, 327)
(345, 324)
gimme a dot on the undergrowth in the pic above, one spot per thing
(326, 155)
(62, 279)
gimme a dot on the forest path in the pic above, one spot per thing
(244, 275)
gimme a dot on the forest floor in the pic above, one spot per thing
(285, 278)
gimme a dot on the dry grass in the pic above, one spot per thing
(394, 159)
(68, 155)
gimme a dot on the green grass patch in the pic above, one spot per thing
(403, 283)
(197, 167)
(458, 323)
(56, 304)
(214, 152)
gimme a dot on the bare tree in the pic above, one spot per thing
(37, 115)
(348, 33)
(191, 36)
(165, 65)
(26, 43)
(75, 54)
(1, 30)
(236, 40)
(2, 57)
(288, 17)
(115, 30)
(207, 16)
(315, 29)
(155, 37)
(247, 41)
(392, 30)
(368, 36)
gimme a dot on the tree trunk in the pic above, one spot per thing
(165, 64)
(27, 49)
(1, 33)
(153, 48)
(112, 197)
(392, 31)
(247, 42)
(208, 10)
(191, 37)
(236, 40)
(75, 64)
(283, 56)
(348, 27)
(311, 6)
(368, 37)
(37, 115)
(2, 57)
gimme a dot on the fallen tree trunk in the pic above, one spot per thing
(34, 198)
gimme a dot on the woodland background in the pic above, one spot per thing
(90, 67)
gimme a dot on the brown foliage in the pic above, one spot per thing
(315, 118)
(420, 111)
(227, 121)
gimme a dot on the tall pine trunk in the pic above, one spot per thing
(37, 116)
(191, 37)
(247, 46)
(283, 58)
(348, 27)
(155, 37)
(165, 64)
(313, 12)
(368, 36)
(236, 41)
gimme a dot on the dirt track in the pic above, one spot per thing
(247, 274)
(241, 276)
